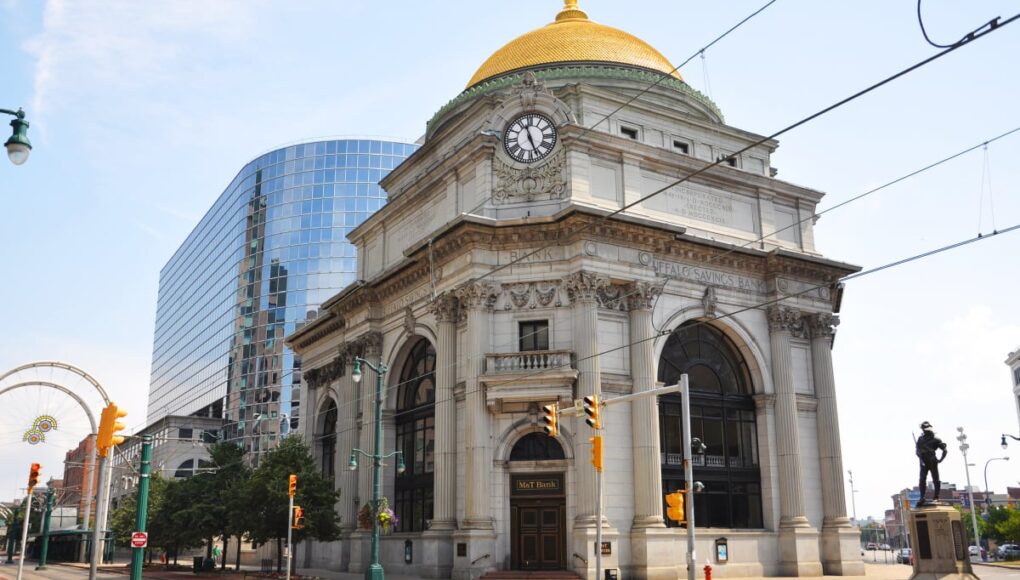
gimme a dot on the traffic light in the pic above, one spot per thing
(596, 452)
(549, 420)
(675, 507)
(292, 486)
(299, 518)
(33, 477)
(108, 427)
(591, 408)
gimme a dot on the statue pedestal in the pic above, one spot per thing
(939, 543)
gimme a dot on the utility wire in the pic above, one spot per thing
(991, 25)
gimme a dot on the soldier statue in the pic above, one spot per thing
(926, 445)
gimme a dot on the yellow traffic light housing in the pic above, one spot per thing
(292, 485)
(596, 452)
(550, 420)
(33, 477)
(591, 408)
(299, 518)
(675, 507)
(108, 428)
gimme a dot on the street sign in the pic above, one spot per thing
(139, 539)
(914, 496)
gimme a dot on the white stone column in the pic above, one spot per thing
(782, 323)
(347, 431)
(644, 412)
(446, 310)
(798, 541)
(584, 289)
(839, 542)
(477, 301)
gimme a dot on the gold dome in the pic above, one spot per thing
(572, 38)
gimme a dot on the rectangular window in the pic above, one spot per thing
(681, 147)
(184, 433)
(629, 132)
(1016, 376)
(534, 335)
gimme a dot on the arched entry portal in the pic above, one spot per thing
(538, 506)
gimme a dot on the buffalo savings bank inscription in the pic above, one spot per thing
(685, 272)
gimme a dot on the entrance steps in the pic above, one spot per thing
(530, 575)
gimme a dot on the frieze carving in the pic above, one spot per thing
(547, 181)
(531, 295)
(477, 295)
(445, 307)
(822, 325)
(529, 89)
(325, 374)
(709, 302)
(784, 319)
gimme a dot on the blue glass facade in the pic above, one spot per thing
(270, 250)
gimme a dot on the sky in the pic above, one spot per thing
(142, 112)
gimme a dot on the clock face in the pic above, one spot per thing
(529, 138)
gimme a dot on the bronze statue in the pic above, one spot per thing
(926, 445)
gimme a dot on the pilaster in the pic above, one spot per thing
(446, 309)
(644, 412)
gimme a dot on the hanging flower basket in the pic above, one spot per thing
(387, 518)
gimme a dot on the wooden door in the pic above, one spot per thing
(538, 534)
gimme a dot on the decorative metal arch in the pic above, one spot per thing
(66, 367)
(61, 388)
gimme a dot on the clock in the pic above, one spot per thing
(529, 138)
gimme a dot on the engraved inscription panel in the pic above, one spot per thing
(700, 202)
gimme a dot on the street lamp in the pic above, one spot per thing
(964, 446)
(988, 499)
(375, 570)
(18, 146)
(1013, 437)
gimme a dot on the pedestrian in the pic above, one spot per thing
(216, 551)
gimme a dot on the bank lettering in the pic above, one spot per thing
(537, 484)
(707, 277)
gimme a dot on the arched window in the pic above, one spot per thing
(327, 442)
(722, 417)
(186, 469)
(536, 447)
(415, 423)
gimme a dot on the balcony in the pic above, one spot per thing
(514, 379)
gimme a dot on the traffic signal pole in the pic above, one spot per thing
(685, 397)
(290, 534)
(46, 530)
(142, 509)
(103, 495)
(24, 532)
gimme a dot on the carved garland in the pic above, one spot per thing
(547, 181)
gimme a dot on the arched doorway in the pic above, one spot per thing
(722, 417)
(415, 422)
(537, 506)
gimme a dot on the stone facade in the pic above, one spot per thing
(473, 246)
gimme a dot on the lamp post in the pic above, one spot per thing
(18, 146)
(1004, 444)
(988, 498)
(375, 570)
(964, 446)
(853, 497)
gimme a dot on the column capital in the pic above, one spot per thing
(822, 325)
(368, 345)
(477, 295)
(786, 319)
(326, 374)
(585, 286)
(642, 295)
(445, 307)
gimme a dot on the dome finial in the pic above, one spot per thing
(571, 12)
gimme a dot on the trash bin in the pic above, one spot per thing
(196, 564)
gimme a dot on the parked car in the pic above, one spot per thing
(1008, 552)
(974, 550)
(872, 546)
(884, 547)
(904, 556)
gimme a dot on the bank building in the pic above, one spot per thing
(501, 277)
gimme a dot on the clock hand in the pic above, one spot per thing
(530, 139)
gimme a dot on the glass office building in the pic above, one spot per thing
(269, 251)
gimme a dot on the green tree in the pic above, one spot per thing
(267, 501)
(122, 519)
(1009, 527)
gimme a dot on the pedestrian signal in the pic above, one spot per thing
(33, 477)
(596, 452)
(299, 518)
(591, 408)
(549, 420)
(292, 485)
(675, 507)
